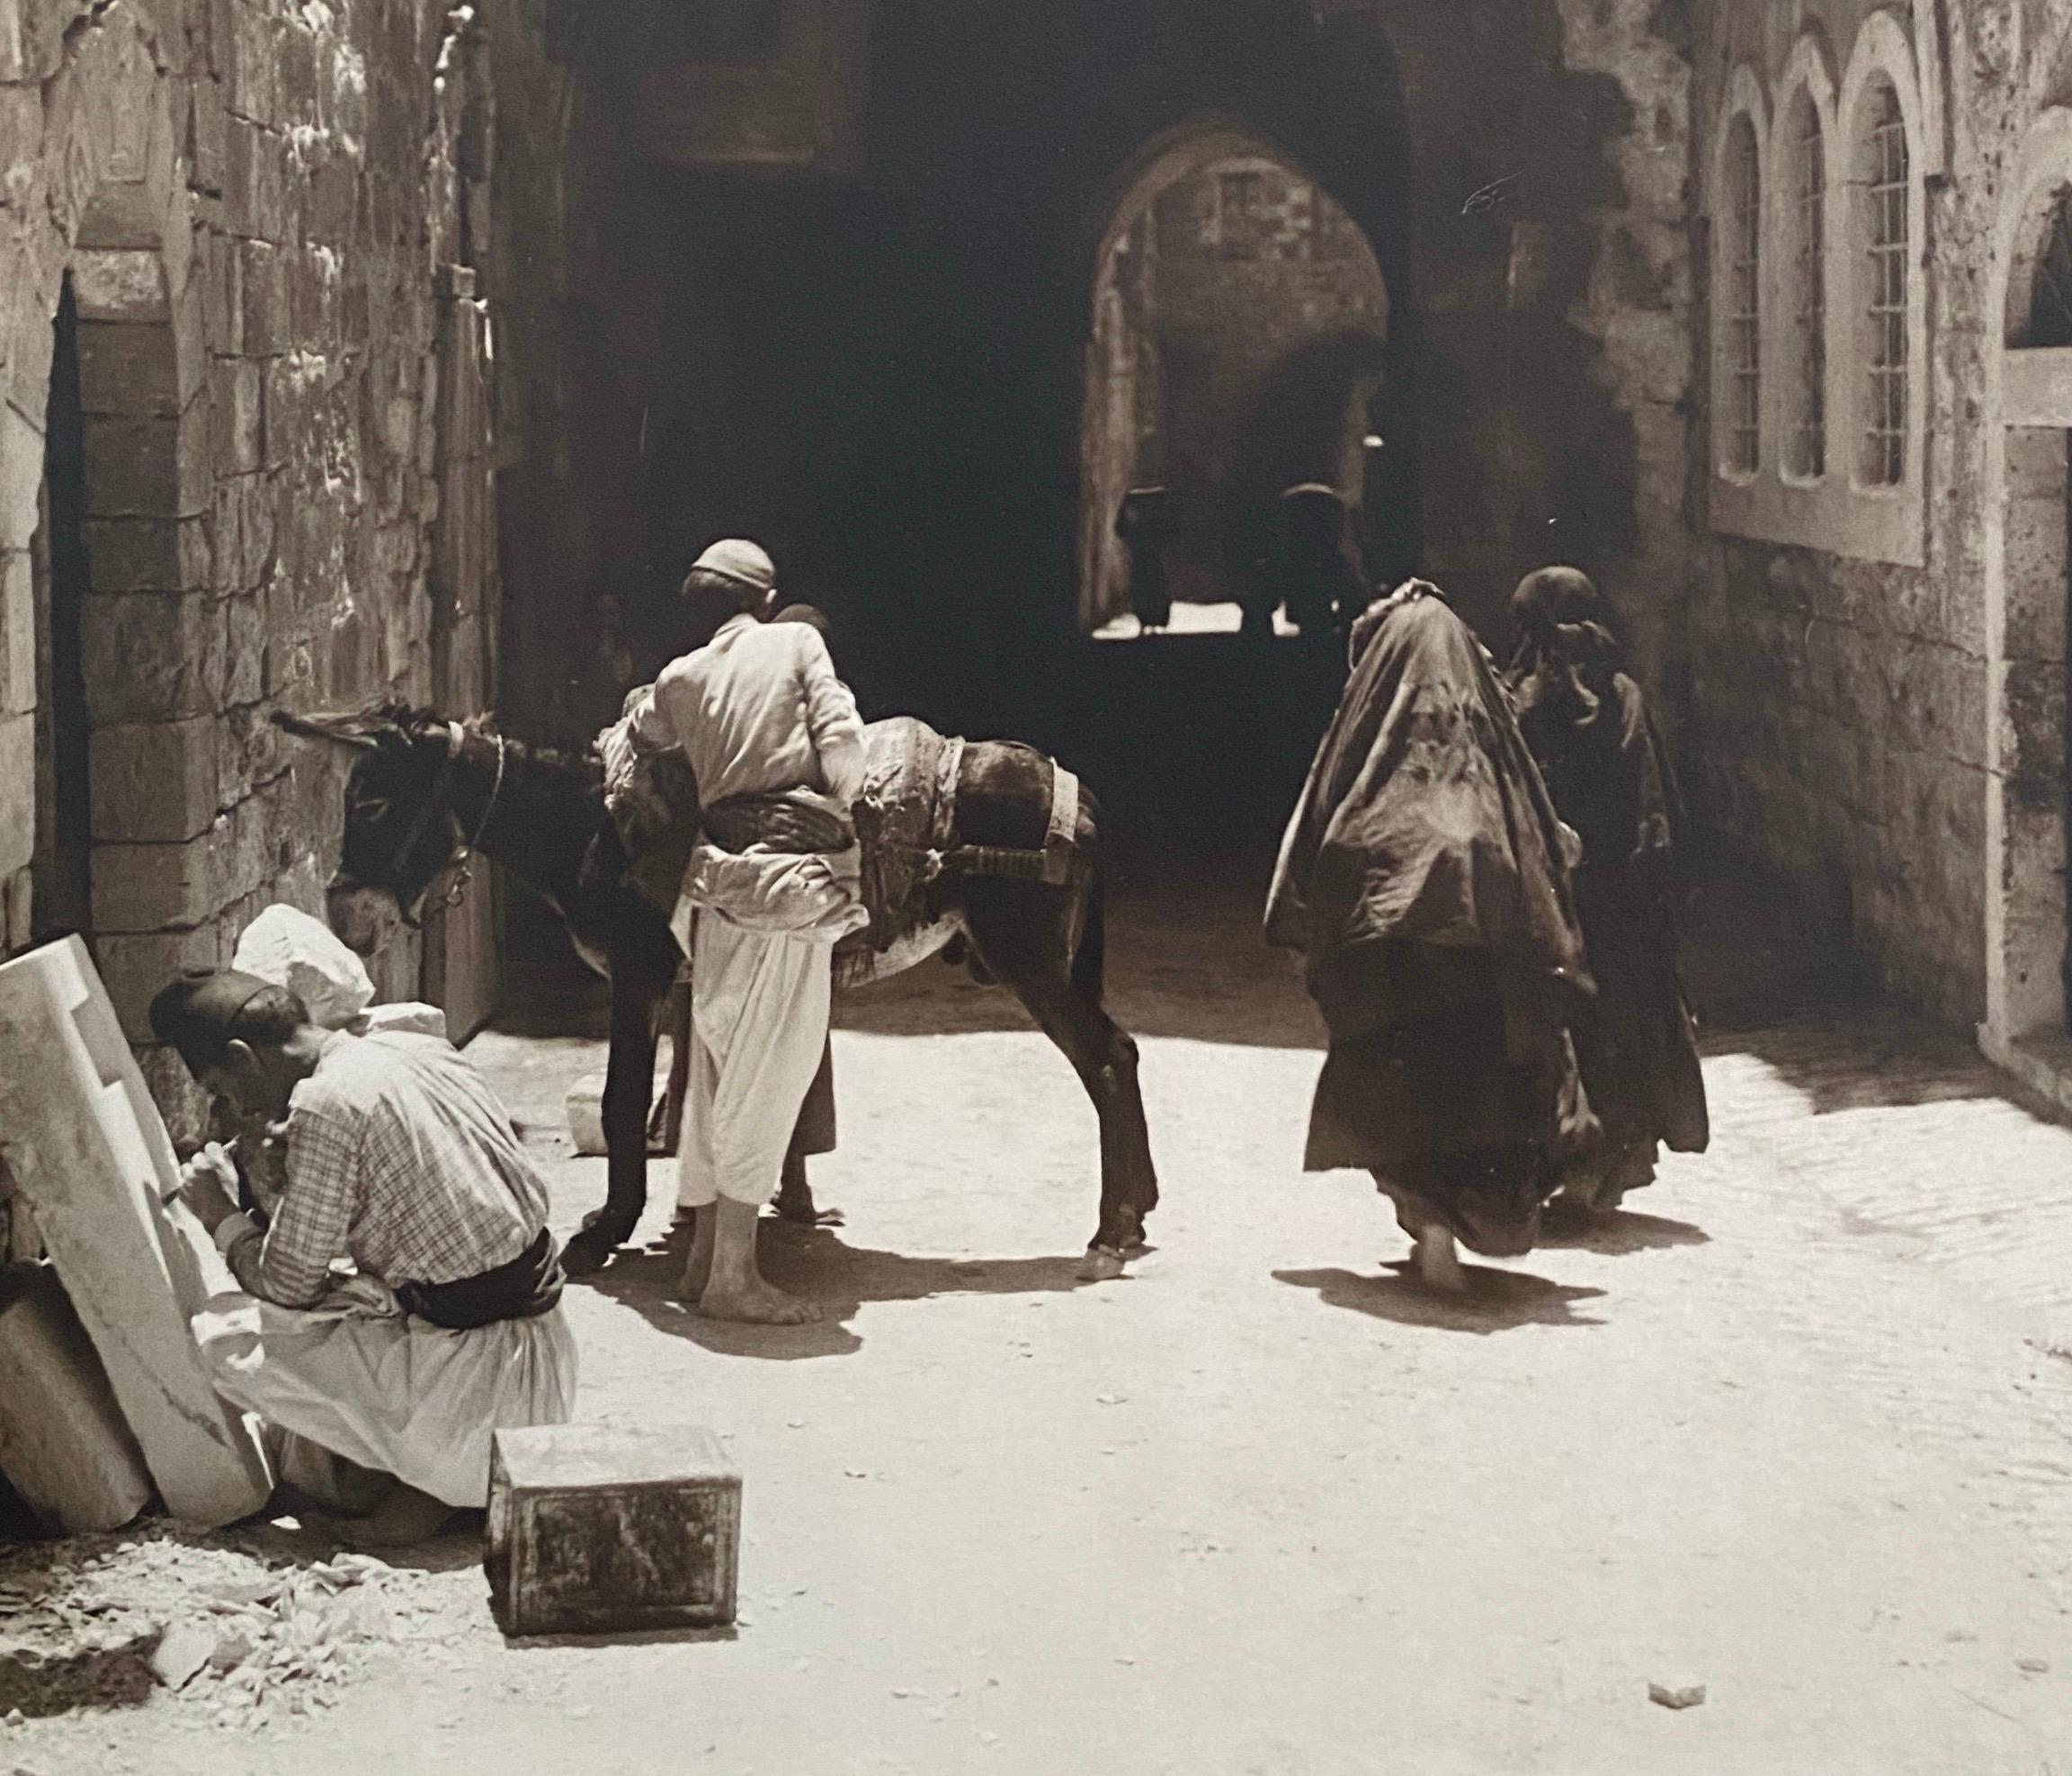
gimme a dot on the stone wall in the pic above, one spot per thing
(1876, 731)
(255, 205)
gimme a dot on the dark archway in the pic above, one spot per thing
(884, 372)
(1238, 345)
(62, 899)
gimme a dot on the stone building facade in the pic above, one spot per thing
(379, 350)
(244, 447)
(1878, 613)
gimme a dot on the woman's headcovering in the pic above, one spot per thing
(1558, 597)
(1567, 645)
(1368, 624)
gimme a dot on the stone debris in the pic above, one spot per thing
(1676, 1695)
(234, 1634)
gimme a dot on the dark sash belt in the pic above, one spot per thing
(781, 822)
(522, 1289)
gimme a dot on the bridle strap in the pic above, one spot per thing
(434, 799)
(465, 857)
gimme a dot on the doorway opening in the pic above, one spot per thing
(62, 866)
(1238, 352)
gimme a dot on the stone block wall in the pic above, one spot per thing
(1840, 724)
(256, 205)
(1889, 739)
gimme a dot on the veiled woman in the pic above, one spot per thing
(1423, 878)
(1587, 724)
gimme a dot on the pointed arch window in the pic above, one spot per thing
(1743, 288)
(1884, 310)
(1808, 444)
(2049, 317)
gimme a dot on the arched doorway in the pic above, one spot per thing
(60, 580)
(2028, 592)
(1239, 347)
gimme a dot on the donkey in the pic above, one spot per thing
(423, 793)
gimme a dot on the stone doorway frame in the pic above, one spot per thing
(111, 210)
(1157, 164)
(2028, 587)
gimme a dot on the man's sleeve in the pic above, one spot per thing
(651, 728)
(309, 1227)
(831, 719)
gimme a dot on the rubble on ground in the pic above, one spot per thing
(239, 1634)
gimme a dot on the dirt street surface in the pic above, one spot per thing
(1793, 1429)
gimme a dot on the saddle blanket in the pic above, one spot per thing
(906, 825)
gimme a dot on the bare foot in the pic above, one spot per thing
(402, 1520)
(1437, 1263)
(755, 1303)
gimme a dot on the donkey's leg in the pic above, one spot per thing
(628, 1085)
(814, 1133)
(665, 1119)
(1026, 943)
(1104, 1057)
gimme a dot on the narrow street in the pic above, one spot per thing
(1793, 1428)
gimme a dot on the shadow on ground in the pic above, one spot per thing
(1874, 1059)
(817, 1263)
(1494, 1300)
(1617, 1235)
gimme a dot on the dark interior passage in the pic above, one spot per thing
(864, 330)
(63, 884)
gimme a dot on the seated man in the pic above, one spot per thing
(396, 1158)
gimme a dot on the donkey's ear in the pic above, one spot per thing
(346, 728)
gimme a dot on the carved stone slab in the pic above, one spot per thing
(87, 1149)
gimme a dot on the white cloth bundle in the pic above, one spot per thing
(289, 950)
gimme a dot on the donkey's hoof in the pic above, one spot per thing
(1101, 1263)
(589, 1251)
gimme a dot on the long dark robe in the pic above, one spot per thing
(1424, 880)
(1588, 724)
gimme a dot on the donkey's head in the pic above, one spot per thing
(400, 829)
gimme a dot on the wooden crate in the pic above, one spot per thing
(594, 1531)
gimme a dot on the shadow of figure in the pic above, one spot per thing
(815, 1262)
(1494, 1300)
(1617, 1235)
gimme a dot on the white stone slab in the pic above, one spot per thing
(86, 1147)
(63, 1443)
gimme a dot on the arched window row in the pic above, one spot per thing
(1818, 302)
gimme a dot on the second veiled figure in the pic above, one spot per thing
(1587, 722)
(1423, 878)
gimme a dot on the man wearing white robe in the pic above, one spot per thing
(775, 744)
